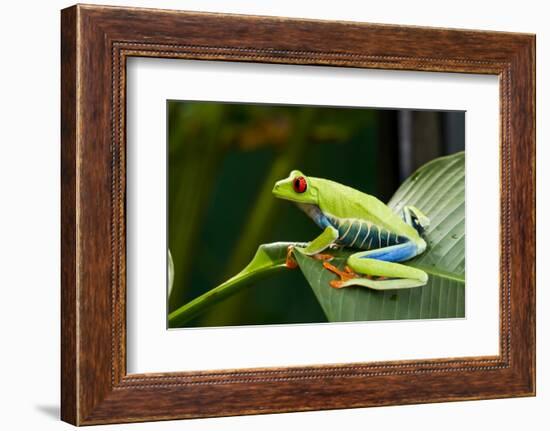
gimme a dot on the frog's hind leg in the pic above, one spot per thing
(416, 218)
(383, 263)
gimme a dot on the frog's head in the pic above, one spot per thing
(296, 188)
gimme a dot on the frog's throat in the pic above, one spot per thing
(315, 213)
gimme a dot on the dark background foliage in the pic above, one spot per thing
(223, 160)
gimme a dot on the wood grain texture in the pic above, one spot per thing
(69, 397)
(96, 41)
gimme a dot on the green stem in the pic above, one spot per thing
(268, 259)
(192, 309)
(263, 213)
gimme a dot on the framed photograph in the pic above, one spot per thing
(264, 214)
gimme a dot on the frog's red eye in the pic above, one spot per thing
(299, 184)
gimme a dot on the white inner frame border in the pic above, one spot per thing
(153, 348)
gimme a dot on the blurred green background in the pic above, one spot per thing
(223, 159)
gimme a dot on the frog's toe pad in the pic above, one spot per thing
(324, 257)
(339, 284)
(290, 261)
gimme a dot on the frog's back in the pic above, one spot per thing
(344, 202)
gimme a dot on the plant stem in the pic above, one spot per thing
(192, 309)
(263, 212)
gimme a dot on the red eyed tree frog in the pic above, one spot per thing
(356, 220)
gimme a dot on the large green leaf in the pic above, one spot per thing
(437, 189)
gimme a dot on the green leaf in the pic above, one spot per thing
(437, 189)
(170, 272)
(269, 258)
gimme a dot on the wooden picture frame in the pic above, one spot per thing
(95, 43)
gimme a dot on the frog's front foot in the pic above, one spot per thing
(290, 261)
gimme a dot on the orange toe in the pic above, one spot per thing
(331, 268)
(345, 275)
(323, 256)
(290, 262)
